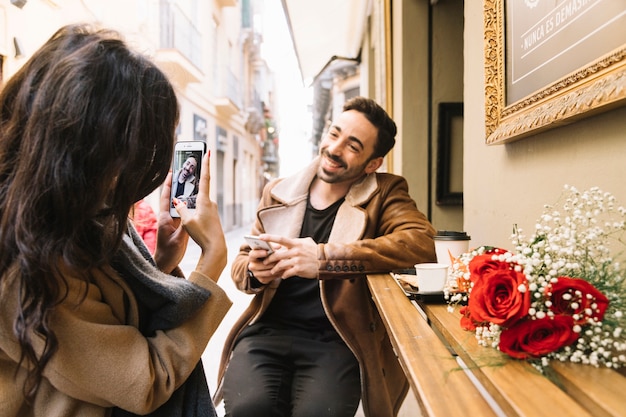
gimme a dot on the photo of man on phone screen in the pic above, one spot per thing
(185, 184)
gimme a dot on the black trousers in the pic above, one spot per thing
(287, 372)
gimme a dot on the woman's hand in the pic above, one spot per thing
(204, 226)
(172, 239)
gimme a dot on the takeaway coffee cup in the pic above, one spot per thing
(431, 277)
(449, 245)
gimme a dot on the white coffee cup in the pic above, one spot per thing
(450, 245)
(431, 277)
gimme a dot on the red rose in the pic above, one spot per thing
(535, 338)
(466, 320)
(575, 296)
(496, 295)
(480, 264)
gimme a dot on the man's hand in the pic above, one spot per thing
(291, 257)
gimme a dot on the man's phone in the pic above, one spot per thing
(256, 243)
(186, 173)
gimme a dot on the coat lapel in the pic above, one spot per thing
(285, 218)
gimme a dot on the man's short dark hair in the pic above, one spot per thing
(194, 156)
(387, 129)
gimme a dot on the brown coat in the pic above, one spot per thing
(377, 229)
(103, 360)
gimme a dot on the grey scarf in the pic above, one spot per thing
(164, 302)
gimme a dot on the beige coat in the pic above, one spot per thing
(377, 229)
(103, 360)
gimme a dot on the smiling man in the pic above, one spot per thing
(185, 185)
(312, 343)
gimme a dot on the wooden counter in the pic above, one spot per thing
(451, 375)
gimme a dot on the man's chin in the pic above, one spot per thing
(329, 177)
(326, 176)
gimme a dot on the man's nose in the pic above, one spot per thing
(335, 147)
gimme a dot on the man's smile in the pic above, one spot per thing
(331, 163)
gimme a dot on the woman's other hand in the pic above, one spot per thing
(204, 226)
(172, 239)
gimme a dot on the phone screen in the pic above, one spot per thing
(186, 173)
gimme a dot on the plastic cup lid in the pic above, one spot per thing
(451, 235)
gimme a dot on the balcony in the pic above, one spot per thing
(180, 50)
(228, 94)
(254, 114)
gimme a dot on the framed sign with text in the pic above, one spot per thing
(548, 63)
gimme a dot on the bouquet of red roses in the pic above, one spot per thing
(560, 295)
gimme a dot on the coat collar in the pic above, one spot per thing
(292, 193)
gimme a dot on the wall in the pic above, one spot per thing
(446, 87)
(427, 70)
(410, 98)
(509, 184)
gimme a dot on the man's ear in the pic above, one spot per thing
(373, 165)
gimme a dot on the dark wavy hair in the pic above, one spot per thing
(87, 128)
(377, 116)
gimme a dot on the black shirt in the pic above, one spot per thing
(297, 302)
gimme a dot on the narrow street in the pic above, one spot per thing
(211, 357)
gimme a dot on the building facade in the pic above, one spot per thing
(209, 50)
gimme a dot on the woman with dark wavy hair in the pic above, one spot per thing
(90, 323)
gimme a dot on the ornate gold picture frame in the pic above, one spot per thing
(598, 86)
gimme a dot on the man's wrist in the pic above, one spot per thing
(254, 282)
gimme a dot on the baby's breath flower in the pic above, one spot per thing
(574, 239)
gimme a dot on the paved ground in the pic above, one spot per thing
(240, 301)
(211, 357)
